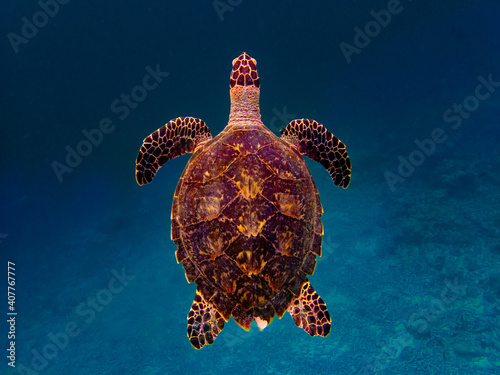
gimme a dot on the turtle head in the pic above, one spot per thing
(244, 91)
(244, 72)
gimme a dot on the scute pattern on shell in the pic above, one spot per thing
(247, 233)
(246, 214)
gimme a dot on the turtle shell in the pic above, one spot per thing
(246, 219)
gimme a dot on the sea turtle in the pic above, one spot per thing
(246, 214)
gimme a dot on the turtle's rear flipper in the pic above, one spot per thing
(312, 139)
(204, 322)
(309, 312)
(178, 137)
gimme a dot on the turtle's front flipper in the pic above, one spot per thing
(204, 322)
(179, 136)
(309, 312)
(312, 139)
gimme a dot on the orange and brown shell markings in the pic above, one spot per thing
(247, 224)
(177, 137)
(313, 140)
(244, 72)
(246, 213)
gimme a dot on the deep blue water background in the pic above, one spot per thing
(411, 274)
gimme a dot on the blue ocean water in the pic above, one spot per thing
(410, 269)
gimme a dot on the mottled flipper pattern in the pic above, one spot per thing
(316, 142)
(204, 322)
(309, 312)
(179, 136)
